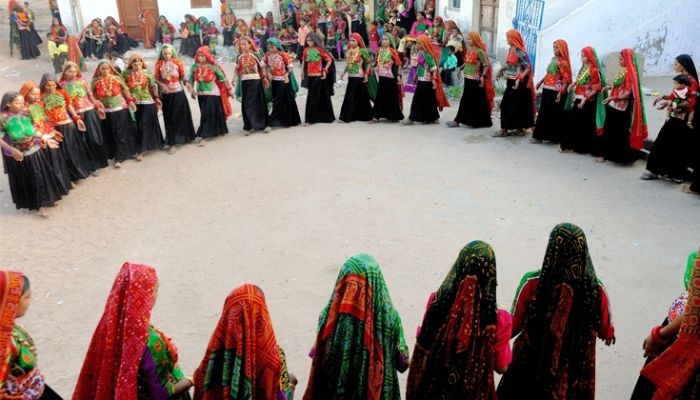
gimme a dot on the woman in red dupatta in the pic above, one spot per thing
(587, 116)
(429, 98)
(464, 336)
(518, 104)
(675, 374)
(243, 359)
(476, 104)
(551, 118)
(625, 120)
(207, 82)
(121, 360)
(20, 377)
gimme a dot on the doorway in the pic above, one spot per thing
(488, 23)
(129, 11)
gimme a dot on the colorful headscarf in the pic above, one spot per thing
(479, 43)
(595, 69)
(518, 42)
(425, 42)
(688, 276)
(677, 367)
(360, 42)
(554, 355)
(66, 66)
(11, 287)
(638, 125)
(360, 344)
(223, 87)
(75, 55)
(133, 57)
(25, 89)
(563, 48)
(275, 42)
(111, 367)
(454, 355)
(251, 42)
(243, 360)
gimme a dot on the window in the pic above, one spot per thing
(200, 3)
(455, 4)
(241, 4)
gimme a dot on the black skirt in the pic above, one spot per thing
(179, 128)
(580, 133)
(424, 107)
(669, 156)
(90, 48)
(228, 37)
(253, 105)
(356, 105)
(516, 107)
(388, 102)
(319, 107)
(59, 168)
(32, 182)
(360, 27)
(474, 110)
(615, 142)
(188, 46)
(94, 139)
(212, 121)
(120, 135)
(284, 107)
(29, 48)
(75, 152)
(550, 117)
(148, 134)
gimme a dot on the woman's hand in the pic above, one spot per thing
(132, 107)
(323, 75)
(159, 103)
(516, 84)
(101, 113)
(481, 82)
(607, 100)
(650, 347)
(558, 97)
(81, 125)
(582, 104)
(52, 143)
(17, 155)
(610, 341)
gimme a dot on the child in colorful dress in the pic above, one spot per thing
(319, 71)
(374, 37)
(448, 67)
(389, 101)
(35, 110)
(228, 25)
(62, 115)
(165, 33)
(213, 35)
(109, 89)
(90, 110)
(207, 83)
(170, 76)
(289, 39)
(283, 86)
(356, 104)
(251, 79)
(33, 185)
(144, 90)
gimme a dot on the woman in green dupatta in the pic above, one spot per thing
(360, 344)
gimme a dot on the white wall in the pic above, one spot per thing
(659, 31)
(462, 16)
(89, 9)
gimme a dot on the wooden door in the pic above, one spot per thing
(129, 11)
(488, 23)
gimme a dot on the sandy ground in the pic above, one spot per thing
(284, 210)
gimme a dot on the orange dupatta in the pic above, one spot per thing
(442, 101)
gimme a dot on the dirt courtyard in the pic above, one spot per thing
(284, 210)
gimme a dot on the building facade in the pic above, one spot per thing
(659, 31)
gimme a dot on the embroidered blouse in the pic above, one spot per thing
(357, 59)
(385, 64)
(475, 63)
(205, 78)
(40, 119)
(141, 84)
(248, 66)
(278, 64)
(517, 62)
(426, 65)
(18, 131)
(111, 91)
(170, 74)
(587, 84)
(56, 107)
(314, 59)
(557, 77)
(78, 91)
(621, 91)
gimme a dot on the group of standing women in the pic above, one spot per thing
(558, 314)
(66, 129)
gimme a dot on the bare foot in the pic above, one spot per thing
(373, 121)
(139, 157)
(535, 141)
(202, 143)
(43, 213)
(247, 132)
(171, 150)
(117, 165)
(267, 129)
(686, 189)
(565, 151)
(599, 159)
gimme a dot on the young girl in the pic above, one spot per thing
(389, 101)
(207, 83)
(90, 110)
(170, 76)
(250, 77)
(33, 184)
(356, 105)
(551, 117)
(128, 357)
(92, 40)
(283, 84)
(19, 372)
(186, 45)
(228, 24)
(144, 90)
(517, 106)
(429, 98)
(59, 108)
(110, 90)
(373, 37)
(318, 67)
(213, 37)
(165, 33)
